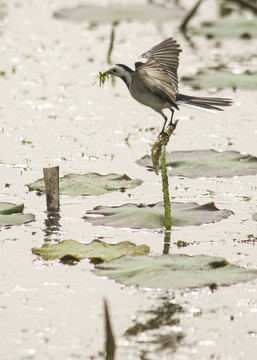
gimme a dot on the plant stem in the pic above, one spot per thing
(165, 189)
(189, 16)
(110, 341)
(114, 24)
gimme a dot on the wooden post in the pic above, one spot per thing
(51, 179)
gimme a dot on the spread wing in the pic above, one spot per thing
(157, 68)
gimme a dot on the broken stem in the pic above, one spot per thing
(159, 151)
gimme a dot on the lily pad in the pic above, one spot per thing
(112, 13)
(152, 216)
(9, 208)
(96, 249)
(222, 79)
(89, 184)
(11, 214)
(174, 271)
(231, 28)
(255, 217)
(206, 163)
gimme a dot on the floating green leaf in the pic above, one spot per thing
(255, 217)
(16, 219)
(95, 249)
(11, 214)
(90, 184)
(206, 163)
(174, 271)
(231, 28)
(222, 79)
(113, 13)
(9, 208)
(152, 216)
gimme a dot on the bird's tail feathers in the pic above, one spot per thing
(206, 103)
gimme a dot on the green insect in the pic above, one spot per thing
(101, 77)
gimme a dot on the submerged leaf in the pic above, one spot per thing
(226, 27)
(152, 216)
(11, 214)
(90, 184)
(174, 271)
(206, 163)
(95, 249)
(222, 79)
(112, 13)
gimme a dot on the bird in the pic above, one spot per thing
(154, 82)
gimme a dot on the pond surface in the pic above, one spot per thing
(50, 114)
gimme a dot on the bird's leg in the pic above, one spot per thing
(171, 118)
(166, 119)
(165, 122)
(167, 131)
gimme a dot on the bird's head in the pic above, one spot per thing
(119, 70)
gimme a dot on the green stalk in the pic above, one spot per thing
(109, 53)
(110, 341)
(165, 189)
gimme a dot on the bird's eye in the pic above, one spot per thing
(114, 70)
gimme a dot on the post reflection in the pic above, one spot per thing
(52, 226)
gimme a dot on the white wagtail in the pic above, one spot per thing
(154, 82)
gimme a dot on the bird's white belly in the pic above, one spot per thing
(148, 98)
